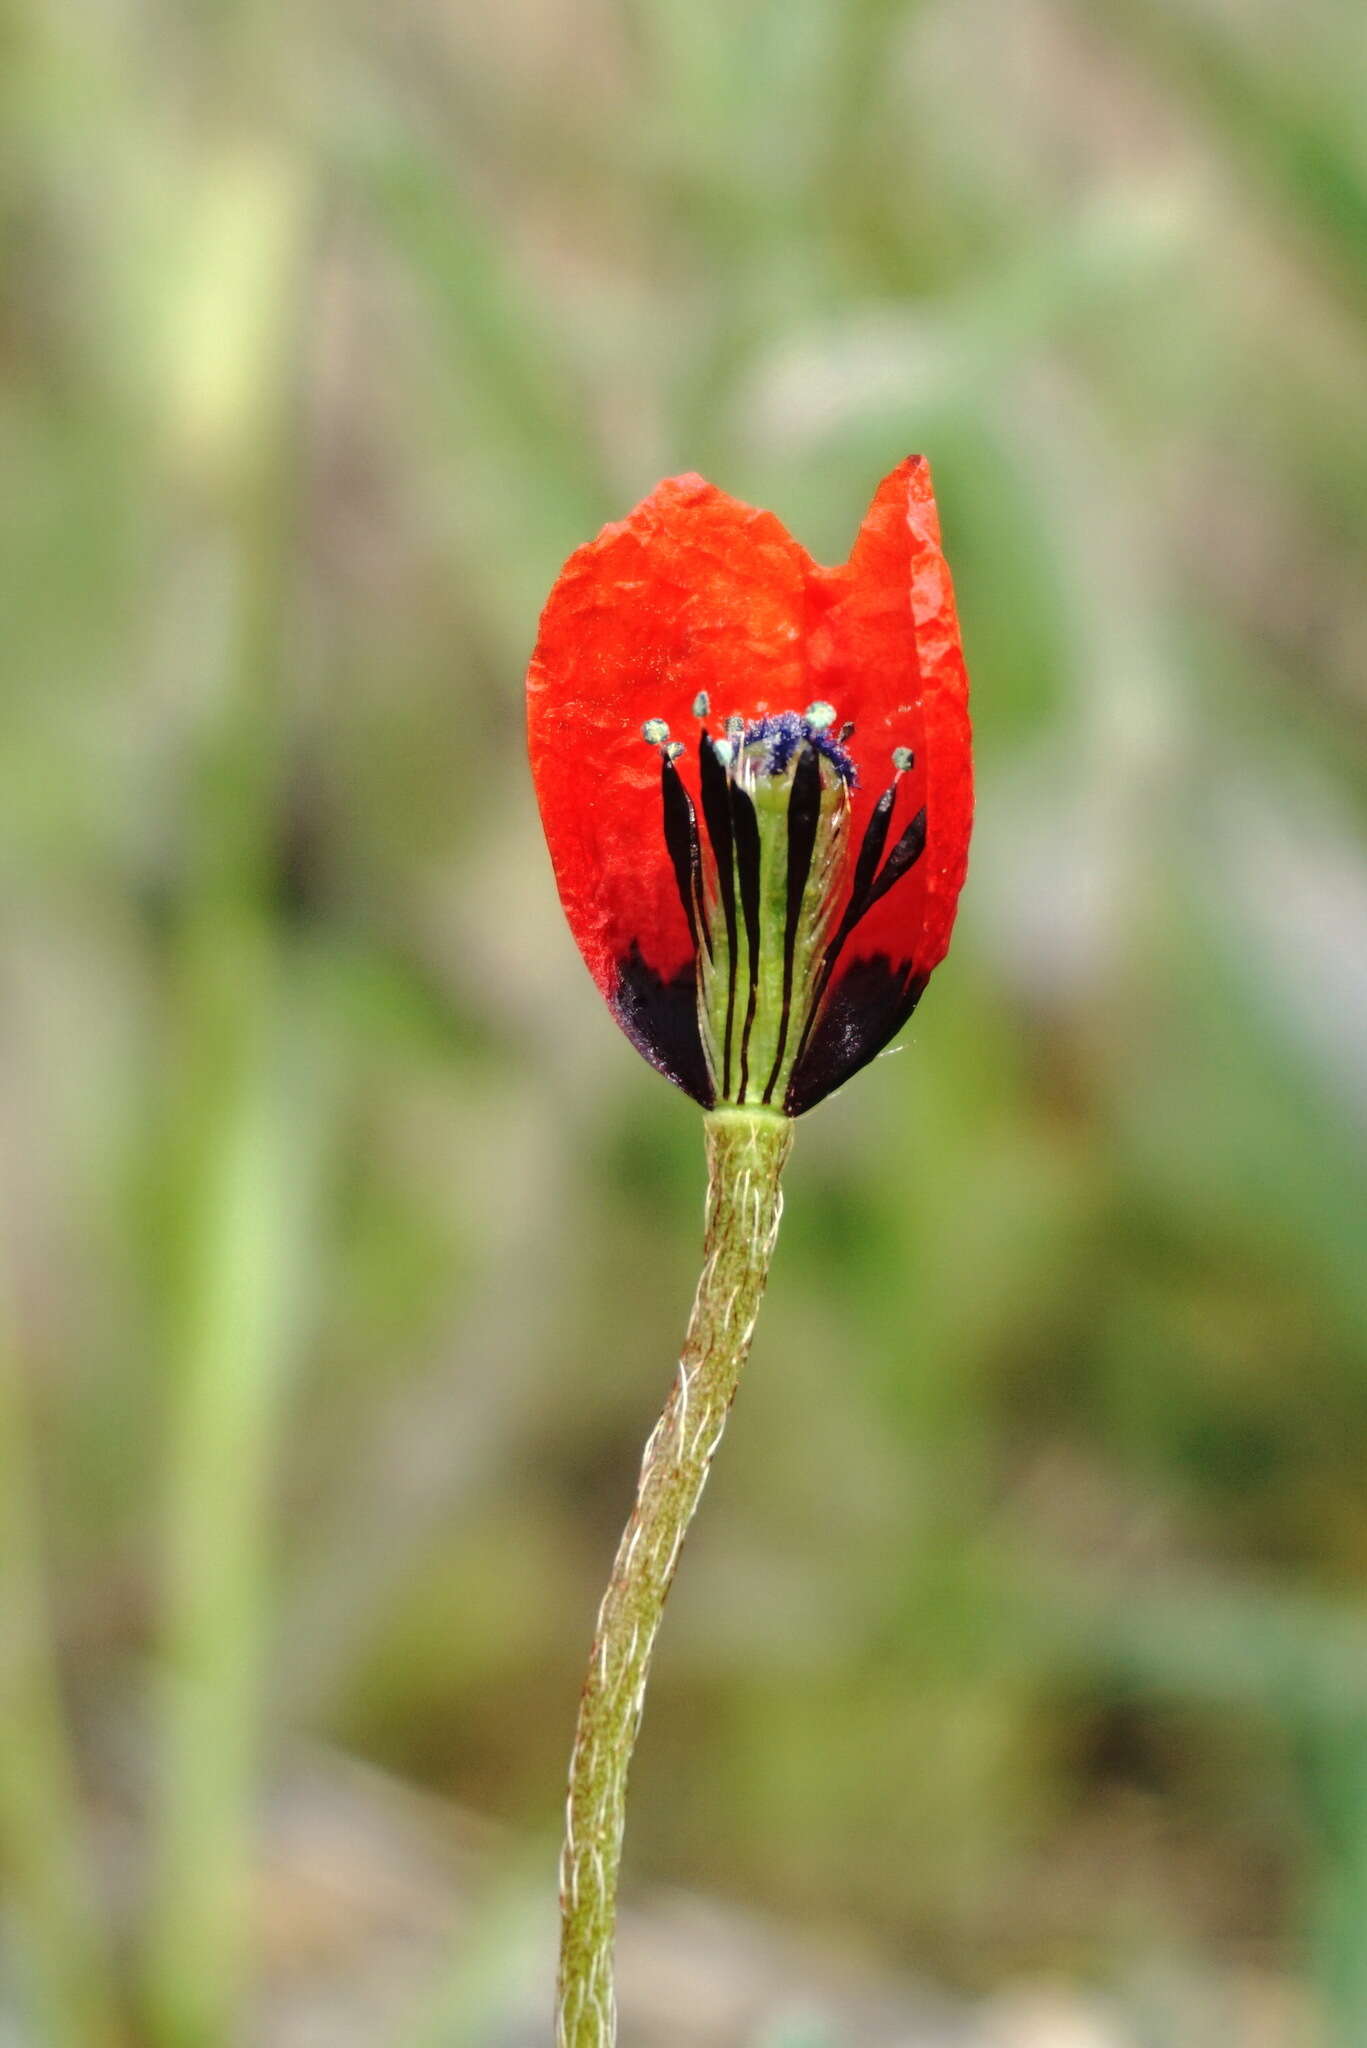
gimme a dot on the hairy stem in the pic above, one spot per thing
(746, 1151)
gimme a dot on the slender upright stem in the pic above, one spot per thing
(746, 1151)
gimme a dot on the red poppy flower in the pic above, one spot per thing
(755, 779)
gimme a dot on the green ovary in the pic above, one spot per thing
(755, 1055)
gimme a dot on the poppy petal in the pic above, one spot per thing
(697, 608)
(887, 651)
(693, 593)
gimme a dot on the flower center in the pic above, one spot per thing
(762, 909)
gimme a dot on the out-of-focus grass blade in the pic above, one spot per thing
(243, 1247)
(529, 465)
(506, 1943)
(49, 1894)
(815, 384)
(1277, 127)
(1333, 1774)
(1302, 1660)
(239, 1122)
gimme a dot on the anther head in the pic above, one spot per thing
(701, 704)
(903, 759)
(654, 732)
(820, 715)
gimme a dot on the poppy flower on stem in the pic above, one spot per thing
(755, 779)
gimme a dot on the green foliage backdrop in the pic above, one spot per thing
(346, 1244)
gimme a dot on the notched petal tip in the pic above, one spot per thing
(904, 499)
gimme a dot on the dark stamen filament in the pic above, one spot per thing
(681, 838)
(870, 853)
(868, 886)
(732, 824)
(904, 855)
(716, 810)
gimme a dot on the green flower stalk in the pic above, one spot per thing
(762, 912)
(746, 1151)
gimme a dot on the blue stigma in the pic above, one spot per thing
(784, 733)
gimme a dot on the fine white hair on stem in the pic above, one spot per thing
(746, 1152)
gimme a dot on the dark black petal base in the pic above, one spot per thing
(864, 1011)
(661, 1020)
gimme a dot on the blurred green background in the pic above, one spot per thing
(346, 1244)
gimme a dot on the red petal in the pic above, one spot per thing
(694, 591)
(887, 655)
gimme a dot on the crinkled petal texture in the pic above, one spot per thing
(887, 654)
(695, 593)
